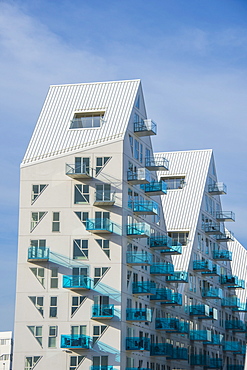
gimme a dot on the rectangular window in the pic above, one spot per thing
(131, 143)
(75, 361)
(100, 163)
(87, 120)
(174, 183)
(80, 249)
(141, 153)
(82, 165)
(38, 243)
(53, 307)
(52, 340)
(79, 330)
(36, 218)
(136, 152)
(100, 362)
(81, 194)
(56, 222)
(181, 237)
(37, 190)
(103, 192)
(54, 278)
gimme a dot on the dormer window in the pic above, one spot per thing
(87, 120)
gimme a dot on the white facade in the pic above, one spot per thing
(6, 350)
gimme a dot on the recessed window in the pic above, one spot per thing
(181, 237)
(37, 190)
(87, 120)
(80, 249)
(81, 194)
(100, 163)
(174, 182)
(56, 222)
(52, 336)
(53, 307)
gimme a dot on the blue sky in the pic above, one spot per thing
(190, 55)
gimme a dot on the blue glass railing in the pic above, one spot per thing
(178, 277)
(160, 242)
(232, 347)
(212, 293)
(75, 171)
(155, 188)
(213, 228)
(103, 311)
(145, 207)
(137, 344)
(143, 287)
(175, 300)
(171, 325)
(198, 360)
(226, 236)
(179, 354)
(217, 188)
(215, 363)
(235, 325)
(77, 282)
(38, 253)
(138, 230)
(101, 367)
(99, 224)
(216, 340)
(200, 335)
(135, 314)
(201, 310)
(224, 216)
(241, 308)
(215, 271)
(145, 128)
(203, 266)
(140, 176)
(232, 281)
(230, 302)
(162, 269)
(161, 349)
(174, 249)
(157, 164)
(162, 295)
(139, 258)
(235, 367)
(75, 341)
(222, 255)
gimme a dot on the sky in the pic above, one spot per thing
(190, 56)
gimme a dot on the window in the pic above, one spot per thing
(79, 330)
(36, 191)
(55, 222)
(131, 143)
(81, 194)
(80, 249)
(76, 303)
(53, 307)
(83, 216)
(100, 362)
(52, 339)
(105, 245)
(137, 104)
(37, 333)
(75, 361)
(39, 273)
(87, 120)
(30, 362)
(98, 331)
(99, 272)
(100, 163)
(103, 192)
(141, 153)
(38, 303)
(38, 243)
(82, 165)
(36, 217)
(174, 183)
(181, 237)
(5, 357)
(54, 278)
(136, 151)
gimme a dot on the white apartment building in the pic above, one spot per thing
(104, 280)
(6, 350)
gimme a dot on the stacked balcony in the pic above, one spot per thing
(104, 198)
(213, 228)
(218, 188)
(155, 188)
(162, 269)
(175, 249)
(178, 354)
(145, 128)
(157, 164)
(143, 288)
(200, 335)
(138, 230)
(138, 314)
(104, 311)
(231, 302)
(234, 347)
(236, 325)
(137, 344)
(232, 282)
(178, 277)
(75, 341)
(162, 295)
(214, 363)
(241, 308)
(222, 255)
(77, 282)
(78, 171)
(161, 349)
(225, 216)
(200, 310)
(212, 293)
(216, 340)
(139, 258)
(141, 176)
(99, 225)
(225, 237)
(203, 266)
(38, 254)
(235, 367)
(215, 271)
(175, 300)
(172, 325)
(160, 242)
(147, 207)
(207, 362)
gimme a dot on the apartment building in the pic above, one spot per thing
(6, 347)
(124, 260)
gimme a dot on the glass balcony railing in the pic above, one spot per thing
(178, 277)
(203, 266)
(77, 282)
(215, 271)
(212, 293)
(137, 344)
(179, 354)
(104, 198)
(99, 225)
(230, 302)
(173, 250)
(235, 367)
(175, 300)
(213, 228)
(101, 367)
(160, 242)
(233, 347)
(143, 288)
(162, 295)
(104, 311)
(161, 349)
(235, 325)
(222, 255)
(135, 314)
(155, 188)
(148, 207)
(145, 128)
(157, 164)
(139, 258)
(141, 176)
(39, 254)
(75, 341)
(171, 325)
(207, 362)
(200, 335)
(79, 171)
(225, 216)
(241, 308)
(215, 363)
(200, 310)
(162, 268)
(217, 188)
(226, 236)
(216, 340)
(232, 281)
(138, 230)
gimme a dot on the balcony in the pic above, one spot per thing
(203, 266)
(172, 325)
(199, 360)
(235, 325)
(77, 282)
(178, 277)
(162, 269)
(156, 164)
(143, 288)
(232, 282)
(141, 176)
(241, 308)
(75, 341)
(214, 272)
(138, 230)
(200, 310)
(145, 128)
(175, 300)
(104, 311)
(222, 255)
(213, 228)
(227, 236)
(178, 354)
(104, 198)
(79, 171)
(155, 188)
(233, 347)
(216, 340)
(225, 216)
(218, 188)
(139, 258)
(173, 250)
(135, 314)
(161, 349)
(148, 207)
(99, 225)
(38, 254)
(162, 295)
(137, 344)
(232, 302)
(101, 367)
(160, 242)
(212, 293)
(215, 363)
(235, 367)
(200, 335)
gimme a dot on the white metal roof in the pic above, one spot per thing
(52, 136)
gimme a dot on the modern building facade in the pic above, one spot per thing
(6, 348)
(104, 280)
